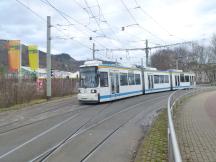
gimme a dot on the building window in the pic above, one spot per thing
(123, 79)
(156, 79)
(131, 79)
(103, 79)
(137, 79)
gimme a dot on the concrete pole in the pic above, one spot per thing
(177, 63)
(147, 53)
(93, 51)
(48, 58)
(20, 69)
(142, 73)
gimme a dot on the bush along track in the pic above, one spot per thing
(153, 147)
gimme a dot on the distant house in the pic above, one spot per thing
(27, 71)
(42, 73)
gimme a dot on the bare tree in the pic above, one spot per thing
(163, 59)
(212, 56)
(197, 57)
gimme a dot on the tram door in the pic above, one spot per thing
(150, 82)
(114, 83)
(177, 81)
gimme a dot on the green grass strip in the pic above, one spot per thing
(153, 148)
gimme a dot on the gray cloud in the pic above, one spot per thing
(186, 19)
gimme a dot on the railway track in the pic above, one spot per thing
(103, 113)
(2, 128)
(43, 157)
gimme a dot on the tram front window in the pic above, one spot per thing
(88, 77)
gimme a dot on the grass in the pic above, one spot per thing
(31, 103)
(154, 146)
(24, 105)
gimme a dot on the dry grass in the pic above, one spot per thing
(18, 92)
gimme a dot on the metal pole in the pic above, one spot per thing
(48, 58)
(147, 53)
(142, 71)
(177, 63)
(20, 69)
(93, 51)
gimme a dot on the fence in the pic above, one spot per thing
(16, 91)
(173, 148)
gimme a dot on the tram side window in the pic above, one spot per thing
(123, 79)
(131, 79)
(186, 78)
(156, 79)
(103, 79)
(166, 79)
(182, 78)
(162, 79)
(137, 79)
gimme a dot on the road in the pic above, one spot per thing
(66, 131)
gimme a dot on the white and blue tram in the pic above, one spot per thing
(106, 82)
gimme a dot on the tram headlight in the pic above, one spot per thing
(93, 91)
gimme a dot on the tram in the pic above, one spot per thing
(107, 82)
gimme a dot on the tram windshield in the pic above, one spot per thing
(88, 77)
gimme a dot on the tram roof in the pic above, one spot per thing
(100, 64)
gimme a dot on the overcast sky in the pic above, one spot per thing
(159, 21)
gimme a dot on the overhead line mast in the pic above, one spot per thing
(142, 49)
(146, 49)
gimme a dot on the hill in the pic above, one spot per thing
(61, 61)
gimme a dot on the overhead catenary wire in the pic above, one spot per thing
(101, 18)
(84, 9)
(151, 17)
(136, 22)
(155, 21)
(70, 23)
(44, 20)
(142, 49)
(105, 21)
(58, 25)
(93, 16)
(63, 14)
(32, 11)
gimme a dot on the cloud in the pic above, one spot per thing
(184, 19)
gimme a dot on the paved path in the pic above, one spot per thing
(196, 128)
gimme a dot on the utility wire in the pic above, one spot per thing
(107, 22)
(69, 22)
(93, 16)
(141, 49)
(32, 11)
(44, 20)
(63, 14)
(134, 19)
(154, 20)
(84, 9)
